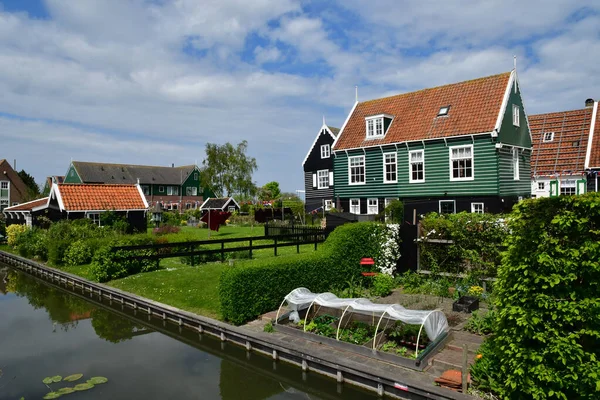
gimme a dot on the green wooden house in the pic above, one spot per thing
(175, 188)
(459, 147)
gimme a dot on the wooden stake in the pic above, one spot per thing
(465, 367)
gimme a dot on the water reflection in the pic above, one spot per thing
(47, 331)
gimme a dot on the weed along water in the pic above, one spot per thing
(55, 343)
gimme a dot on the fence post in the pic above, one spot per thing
(222, 252)
(297, 244)
(191, 254)
(275, 246)
(157, 259)
(316, 240)
(250, 248)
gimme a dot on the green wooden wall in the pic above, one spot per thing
(72, 175)
(510, 134)
(508, 185)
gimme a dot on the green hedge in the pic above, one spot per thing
(108, 264)
(547, 330)
(249, 290)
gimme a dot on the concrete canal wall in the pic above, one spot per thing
(384, 381)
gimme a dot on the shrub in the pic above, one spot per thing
(546, 343)
(165, 230)
(13, 232)
(382, 285)
(108, 264)
(78, 253)
(171, 218)
(32, 243)
(395, 211)
(56, 251)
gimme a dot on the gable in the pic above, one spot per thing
(507, 132)
(474, 107)
(313, 160)
(72, 176)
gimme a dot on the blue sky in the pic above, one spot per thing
(151, 82)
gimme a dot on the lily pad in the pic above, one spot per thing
(83, 386)
(96, 380)
(47, 380)
(52, 395)
(65, 390)
(56, 378)
(72, 378)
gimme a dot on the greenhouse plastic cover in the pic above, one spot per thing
(434, 321)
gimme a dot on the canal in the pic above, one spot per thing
(47, 331)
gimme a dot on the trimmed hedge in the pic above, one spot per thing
(249, 290)
(547, 329)
(108, 264)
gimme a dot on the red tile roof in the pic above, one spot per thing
(28, 206)
(595, 152)
(561, 155)
(474, 108)
(92, 197)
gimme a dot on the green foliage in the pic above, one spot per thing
(395, 212)
(228, 170)
(13, 232)
(56, 251)
(78, 252)
(108, 264)
(118, 223)
(269, 191)
(476, 248)
(382, 285)
(269, 327)
(481, 324)
(250, 290)
(358, 333)
(33, 243)
(33, 190)
(171, 218)
(547, 331)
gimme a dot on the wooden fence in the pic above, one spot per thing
(274, 229)
(190, 249)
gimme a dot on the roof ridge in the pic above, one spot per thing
(97, 184)
(559, 112)
(131, 165)
(436, 87)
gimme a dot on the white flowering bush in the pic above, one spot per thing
(389, 253)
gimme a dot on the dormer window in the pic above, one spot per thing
(377, 125)
(325, 151)
(443, 111)
(548, 136)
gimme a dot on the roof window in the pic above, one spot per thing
(548, 136)
(377, 125)
(443, 111)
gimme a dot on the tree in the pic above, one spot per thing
(270, 191)
(228, 170)
(33, 190)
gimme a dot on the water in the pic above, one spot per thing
(46, 331)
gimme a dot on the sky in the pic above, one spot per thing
(152, 81)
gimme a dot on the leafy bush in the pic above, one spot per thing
(382, 285)
(546, 343)
(78, 253)
(56, 251)
(108, 264)
(395, 211)
(13, 232)
(165, 230)
(172, 218)
(32, 243)
(481, 324)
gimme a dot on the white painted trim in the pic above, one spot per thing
(472, 177)
(324, 126)
(205, 201)
(343, 126)
(384, 115)
(319, 187)
(376, 205)
(350, 206)
(384, 167)
(523, 104)
(142, 195)
(55, 189)
(477, 203)
(446, 201)
(349, 171)
(410, 179)
(588, 153)
(416, 141)
(516, 122)
(516, 166)
(328, 148)
(544, 137)
(505, 101)
(23, 204)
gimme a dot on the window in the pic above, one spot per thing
(541, 185)
(443, 111)
(323, 179)
(477, 208)
(4, 195)
(161, 189)
(3, 185)
(95, 217)
(374, 127)
(515, 164)
(191, 191)
(3, 204)
(328, 205)
(172, 190)
(355, 206)
(461, 163)
(548, 136)
(195, 176)
(447, 207)
(146, 190)
(576, 143)
(325, 151)
(390, 168)
(372, 206)
(568, 187)
(516, 115)
(416, 166)
(231, 209)
(356, 170)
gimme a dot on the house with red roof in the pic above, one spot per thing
(75, 201)
(12, 188)
(459, 147)
(566, 151)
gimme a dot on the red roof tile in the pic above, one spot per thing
(91, 197)
(474, 108)
(561, 155)
(28, 206)
(595, 152)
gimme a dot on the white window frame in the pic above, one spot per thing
(172, 190)
(94, 217)
(516, 115)
(4, 185)
(372, 206)
(568, 184)
(323, 179)
(548, 137)
(364, 167)
(375, 126)
(385, 166)
(410, 165)
(469, 178)
(541, 186)
(191, 191)
(447, 201)
(444, 110)
(515, 164)
(325, 151)
(328, 205)
(231, 209)
(353, 210)
(477, 208)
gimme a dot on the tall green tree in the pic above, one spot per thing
(270, 191)
(228, 170)
(33, 190)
